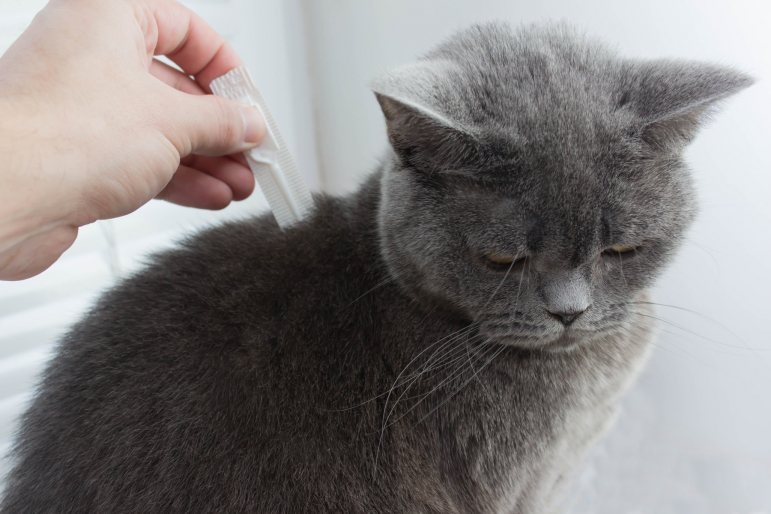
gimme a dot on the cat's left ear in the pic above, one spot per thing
(673, 99)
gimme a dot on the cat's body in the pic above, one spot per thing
(378, 357)
(182, 401)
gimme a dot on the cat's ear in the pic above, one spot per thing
(422, 138)
(673, 99)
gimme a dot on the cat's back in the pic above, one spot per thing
(179, 392)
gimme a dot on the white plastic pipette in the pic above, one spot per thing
(272, 164)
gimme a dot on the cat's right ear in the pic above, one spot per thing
(422, 138)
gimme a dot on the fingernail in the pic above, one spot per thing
(254, 125)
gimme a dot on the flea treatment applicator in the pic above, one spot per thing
(272, 164)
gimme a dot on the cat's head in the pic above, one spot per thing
(536, 183)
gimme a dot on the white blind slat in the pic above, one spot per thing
(21, 371)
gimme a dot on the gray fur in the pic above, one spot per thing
(373, 359)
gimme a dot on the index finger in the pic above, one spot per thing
(191, 43)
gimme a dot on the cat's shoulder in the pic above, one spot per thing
(246, 257)
(240, 274)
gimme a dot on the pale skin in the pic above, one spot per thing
(92, 126)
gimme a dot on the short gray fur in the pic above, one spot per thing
(249, 369)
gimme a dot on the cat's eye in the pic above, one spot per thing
(497, 258)
(620, 252)
(503, 262)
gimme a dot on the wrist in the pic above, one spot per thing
(28, 206)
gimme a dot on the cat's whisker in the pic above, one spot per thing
(481, 384)
(669, 350)
(418, 375)
(457, 370)
(389, 279)
(460, 370)
(663, 330)
(753, 350)
(449, 339)
(656, 321)
(456, 350)
(508, 271)
(744, 346)
(458, 333)
(498, 352)
(447, 360)
(442, 347)
(414, 376)
(706, 250)
(499, 286)
(414, 380)
(639, 338)
(454, 341)
(390, 390)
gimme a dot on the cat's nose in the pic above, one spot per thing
(566, 318)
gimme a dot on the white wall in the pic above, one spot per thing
(695, 433)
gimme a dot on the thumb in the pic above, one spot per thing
(218, 126)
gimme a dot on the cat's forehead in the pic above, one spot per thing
(493, 69)
(544, 87)
(557, 202)
(493, 73)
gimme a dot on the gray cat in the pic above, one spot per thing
(451, 338)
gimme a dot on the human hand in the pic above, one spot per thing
(92, 127)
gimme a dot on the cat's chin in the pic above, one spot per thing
(564, 341)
